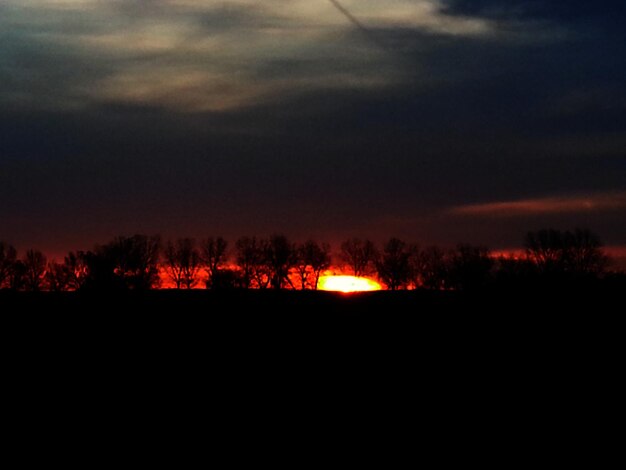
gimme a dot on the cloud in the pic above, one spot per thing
(191, 56)
(548, 205)
(425, 15)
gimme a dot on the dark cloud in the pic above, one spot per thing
(557, 10)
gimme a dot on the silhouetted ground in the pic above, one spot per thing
(376, 306)
(519, 358)
(404, 313)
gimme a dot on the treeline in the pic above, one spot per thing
(141, 262)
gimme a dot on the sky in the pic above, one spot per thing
(436, 121)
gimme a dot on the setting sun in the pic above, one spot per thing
(347, 284)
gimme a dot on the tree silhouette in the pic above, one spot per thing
(214, 255)
(584, 254)
(76, 269)
(137, 261)
(17, 276)
(8, 257)
(125, 263)
(430, 268)
(394, 267)
(514, 271)
(132, 263)
(360, 256)
(182, 262)
(35, 270)
(102, 273)
(311, 260)
(546, 249)
(57, 277)
(470, 267)
(67, 276)
(280, 258)
(251, 254)
(556, 253)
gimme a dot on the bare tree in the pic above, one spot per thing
(251, 253)
(546, 249)
(429, 268)
(584, 253)
(8, 257)
(470, 267)
(279, 256)
(138, 258)
(311, 260)
(17, 276)
(214, 255)
(360, 256)
(76, 269)
(556, 253)
(125, 263)
(35, 270)
(58, 277)
(182, 262)
(394, 268)
(68, 275)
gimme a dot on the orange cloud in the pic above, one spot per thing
(548, 205)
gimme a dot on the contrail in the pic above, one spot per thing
(360, 26)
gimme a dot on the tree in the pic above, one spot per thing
(101, 270)
(17, 276)
(546, 249)
(251, 254)
(125, 263)
(394, 267)
(470, 267)
(515, 271)
(66, 276)
(8, 257)
(577, 253)
(214, 255)
(279, 256)
(310, 261)
(35, 270)
(137, 261)
(360, 256)
(182, 262)
(584, 254)
(76, 269)
(57, 277)
(430, 268)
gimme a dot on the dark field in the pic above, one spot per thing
(399, 313)
(455, 350)
(378, 306)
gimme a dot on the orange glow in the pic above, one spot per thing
(548, 205)
(347, 284)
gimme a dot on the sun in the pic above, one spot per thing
(347, 284)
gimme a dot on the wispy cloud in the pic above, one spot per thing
(547, 205)
(192, 55)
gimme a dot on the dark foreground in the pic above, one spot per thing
(499, 312)
(435, 358)
(267, 304)
(429, 337)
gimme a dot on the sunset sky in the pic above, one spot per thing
(436, 121)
